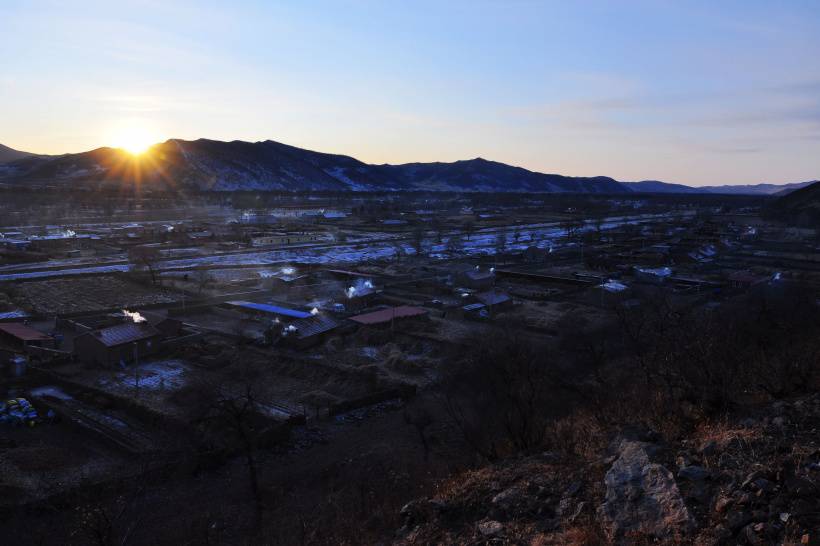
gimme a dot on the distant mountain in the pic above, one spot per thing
(9, 154)
(655, 186)
(225, 166)
(757, 189)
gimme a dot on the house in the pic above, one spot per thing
(267, 310)
(494, 300)
(19, 335)
(389, 316)
(359, 295)
(200, 235)
(652, 275)
(60, 243)
(118, 344)
(15, 244)
(475, 311)
(334, 215)
(476, 278)
(167, 326)
(276, 239)
(310, 331)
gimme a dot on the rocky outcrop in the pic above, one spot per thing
(642, 498)
(753, 479)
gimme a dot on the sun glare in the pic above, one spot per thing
(135, 141)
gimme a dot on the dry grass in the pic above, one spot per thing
(723, 433)
(583, 535)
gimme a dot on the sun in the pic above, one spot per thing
(135, 140)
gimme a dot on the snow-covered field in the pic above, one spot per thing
(159, 375)
(482, 242)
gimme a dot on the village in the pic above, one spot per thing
(120, 340)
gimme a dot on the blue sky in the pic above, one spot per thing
(692, 92)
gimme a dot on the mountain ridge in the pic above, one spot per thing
(8, 154)
(268, 165)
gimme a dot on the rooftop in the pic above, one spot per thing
(386, 315)
(317, 324)
(121, 334)
(492, 297)
(271, 309)
(23, 332)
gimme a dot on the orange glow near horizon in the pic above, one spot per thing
(134, 140)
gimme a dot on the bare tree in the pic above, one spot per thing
(113, 522)
(202, 278)
(455, 244)
(500, 242)
(418, 240)
(236, 416)
(398, 250)
(469, 228)
(499, 395)
(572, 226)
(420, 417)
(147, 258)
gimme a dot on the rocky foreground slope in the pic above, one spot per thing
(752, 481)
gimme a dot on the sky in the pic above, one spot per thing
(695, 92)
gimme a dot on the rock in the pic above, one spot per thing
(641, 496)
(511, 501)
(507, 497)
(416, 512)
(693, 473)
(490, 528)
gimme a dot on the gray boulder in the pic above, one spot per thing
(642, 497)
